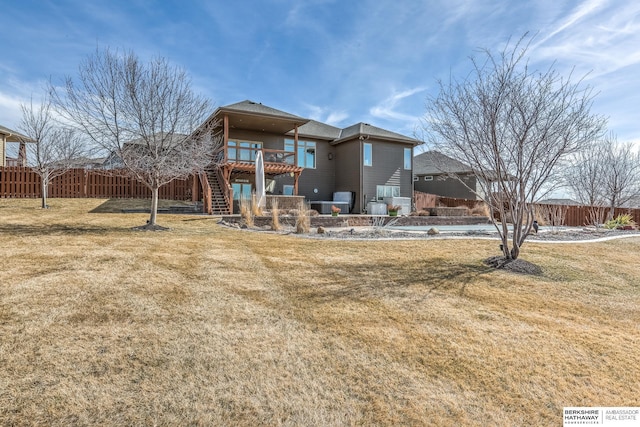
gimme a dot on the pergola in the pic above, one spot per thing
(8, 135)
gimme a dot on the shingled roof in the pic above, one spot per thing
(256, 108)
(435, 163)
(366, 130)
(315, 129)
(311, 128)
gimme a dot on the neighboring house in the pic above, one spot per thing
(566, 202)
(114, 161)
(308, 158)
(86, 163)
(7, 136)
(433, 172)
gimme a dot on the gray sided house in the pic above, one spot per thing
(433, 173)
(307, 158)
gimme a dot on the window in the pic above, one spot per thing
(416, 178)
(367, 154)
(407, 158)
(306, 153)
(383, 191)
(244, 151)
(287, 190)
(241, 190)
(428, 178)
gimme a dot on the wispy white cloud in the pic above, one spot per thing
(598, 37)
(387, 108)
(582, 11)
(326, 115)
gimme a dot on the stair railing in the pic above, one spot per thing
(206, 194)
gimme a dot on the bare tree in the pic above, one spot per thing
(52, 148)
(514, 127)
(584, 174)
(620, 173)
(605, 174)
(146, 114)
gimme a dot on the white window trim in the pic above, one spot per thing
(410, 158)
(365, 144)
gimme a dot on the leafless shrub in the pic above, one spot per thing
(480, 209)
(256, 209)
(596, 215)
(377, 221)
(540, 214)
(275, 216)
(303, 219)
(551, 215)
(245, 211)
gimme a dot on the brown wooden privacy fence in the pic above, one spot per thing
(19, 182)
(574, 216)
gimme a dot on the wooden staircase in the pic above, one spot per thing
(219, 205)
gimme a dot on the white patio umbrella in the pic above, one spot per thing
(260, 181)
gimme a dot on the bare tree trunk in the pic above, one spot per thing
(154, 206)
(44, 187)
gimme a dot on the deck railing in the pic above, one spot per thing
(248, 155)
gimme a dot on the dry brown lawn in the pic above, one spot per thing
(204, 325)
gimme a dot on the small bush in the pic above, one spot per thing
(275, 216)
(480, 209)
(620, 221)
(303, 219)
(256, 209)
(245, 211)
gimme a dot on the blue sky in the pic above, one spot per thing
(340, 62)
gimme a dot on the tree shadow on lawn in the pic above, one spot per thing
(365, 281)
(56, 230)
(142, 205)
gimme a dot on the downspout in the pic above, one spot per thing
(363, 202)
(4, 150)
(295, 158)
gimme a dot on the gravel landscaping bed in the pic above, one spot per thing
(560, 235)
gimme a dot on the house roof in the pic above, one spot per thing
(175, 138)
(435, 163)
(559, 202)
(255, 116)
(366, 130)
(256, 108)
(13, 136)
(318, 130)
